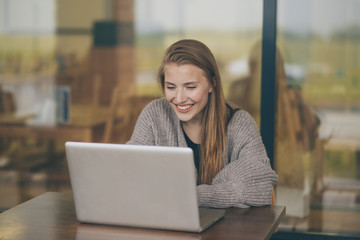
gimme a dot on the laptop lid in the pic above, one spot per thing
(137, 186)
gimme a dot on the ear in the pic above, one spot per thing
(210, 89)
(212, 84)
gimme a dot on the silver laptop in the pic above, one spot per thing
(137, 186)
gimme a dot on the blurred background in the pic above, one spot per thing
(83, 70)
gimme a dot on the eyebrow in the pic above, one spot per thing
(187, 83)
(192, 82)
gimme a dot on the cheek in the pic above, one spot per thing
(169, 95)
(200, 96)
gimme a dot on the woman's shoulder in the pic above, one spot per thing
(157, 107)
(240, 115)
(242, 120)
(242, 127)
(157, 104)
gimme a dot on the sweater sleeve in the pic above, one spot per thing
(247, 180)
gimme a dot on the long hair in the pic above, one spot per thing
(214, 123)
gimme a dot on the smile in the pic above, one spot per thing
(184, 108)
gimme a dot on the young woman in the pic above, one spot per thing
(232, 165)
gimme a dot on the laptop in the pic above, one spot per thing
(137, 186)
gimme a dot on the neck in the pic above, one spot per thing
(193, 131)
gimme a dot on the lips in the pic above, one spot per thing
(184, 108)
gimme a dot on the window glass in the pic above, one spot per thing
(318, 116)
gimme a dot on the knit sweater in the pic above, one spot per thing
(246, 179)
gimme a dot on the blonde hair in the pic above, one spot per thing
(213, 139)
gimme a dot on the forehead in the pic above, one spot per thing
(172, 69)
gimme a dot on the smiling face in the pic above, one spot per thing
(187, 90)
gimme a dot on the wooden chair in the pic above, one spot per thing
(119, 113)
(20, 153)
(273, 200)
(96, 89)
(124, 110)
(7, 103)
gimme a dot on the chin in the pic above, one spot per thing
(183, 118)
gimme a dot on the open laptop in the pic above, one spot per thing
(137, 186)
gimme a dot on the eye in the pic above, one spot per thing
(170, 87)
(191, 87)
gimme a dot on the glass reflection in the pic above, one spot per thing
(319, 182)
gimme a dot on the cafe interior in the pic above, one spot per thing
(83, 70)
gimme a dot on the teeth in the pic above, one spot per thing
(184, 107)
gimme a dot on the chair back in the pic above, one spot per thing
(124, 110)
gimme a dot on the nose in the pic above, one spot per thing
(180, 96)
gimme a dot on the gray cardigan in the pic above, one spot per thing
(247, 177)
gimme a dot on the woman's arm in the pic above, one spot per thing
(238, 185)
(247, 180)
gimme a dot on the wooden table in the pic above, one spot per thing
(52, 216)
(86, 124)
